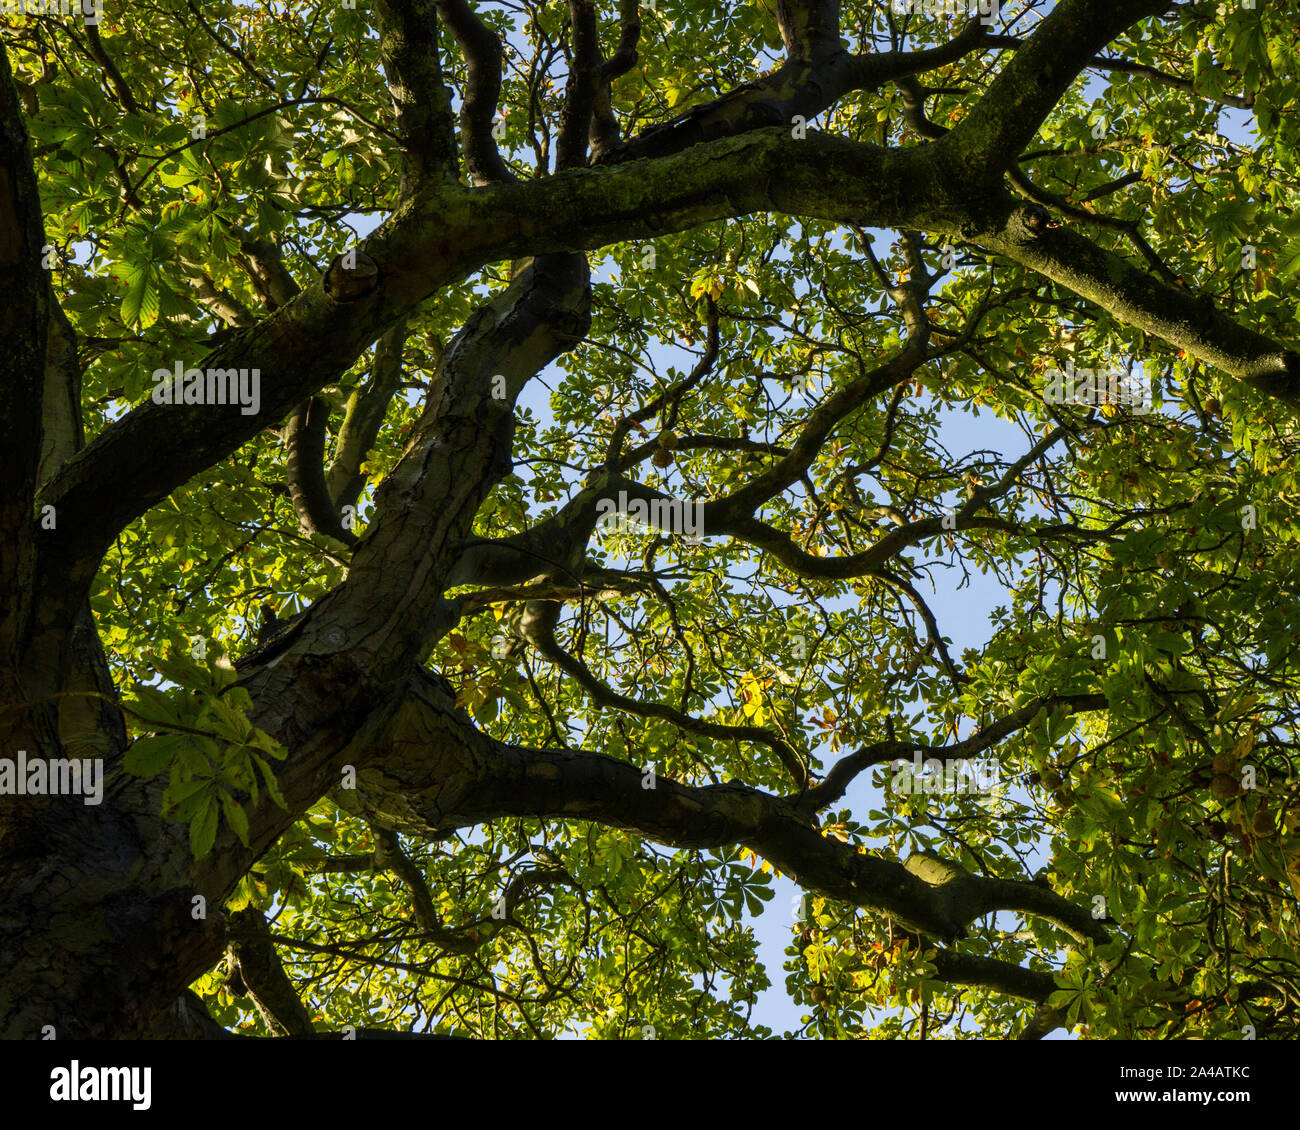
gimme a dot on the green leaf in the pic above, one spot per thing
(149, 756)
(203, 828)
(140, 306)
(236, 817)
(268, 776)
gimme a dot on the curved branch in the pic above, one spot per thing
(844, 771)
(304, 436)
(1177, 82)
(581, 88)
(605, 134)
(931, 624)
(484, 56)
(363, 418)
(811, 81)
(834, 409)
(702, 368)
(538, 628)
(124, 96)
(268, 984)
(432, 772)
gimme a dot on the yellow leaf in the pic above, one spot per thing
(1246, 744)
(1293, 874)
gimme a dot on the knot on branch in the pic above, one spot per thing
(351, 276)
(1036, 218)
(953, 890)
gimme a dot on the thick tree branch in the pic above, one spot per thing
(1002, 976)
(484, 56)
(629, 35)
(605, 134)
(263, 974)
(26, 308)
(364, 417)
(803, 86)
(1006, 119)
(408, 47)
(580, 90)
(390, 608)
(432, 773)
(1181, 317)
(304, 436)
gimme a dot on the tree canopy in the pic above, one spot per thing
(611, 403)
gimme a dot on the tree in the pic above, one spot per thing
(543, 568)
